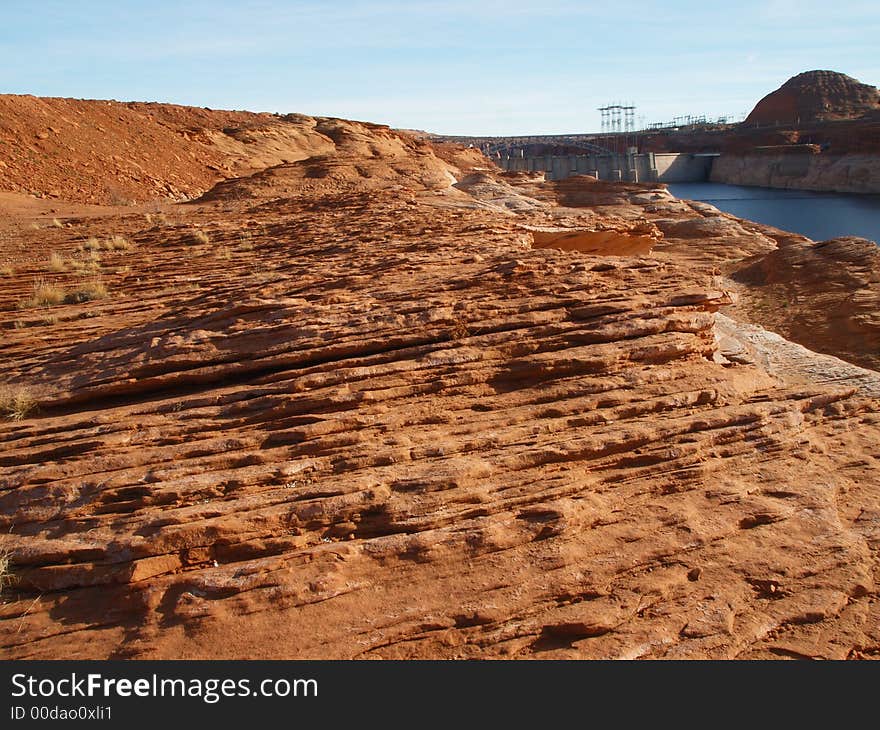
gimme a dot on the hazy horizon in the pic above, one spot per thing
(446, 67)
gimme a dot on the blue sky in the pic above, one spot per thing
(455, 67)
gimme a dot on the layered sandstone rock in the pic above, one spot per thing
(824, 295)
(360, 414)
(800, 169)
(111, 152)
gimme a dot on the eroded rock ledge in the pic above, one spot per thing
(383, 424)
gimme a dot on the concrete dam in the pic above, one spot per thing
(666, 167)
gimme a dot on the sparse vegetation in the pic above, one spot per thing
(199, 236)
(45, 295)
(49, 295)
(86, 292)
(7, 271)
(157, 219)
(245, 242)
(224, 253)
(113, 243)
(16, 402)
(89, 264)
(116, 243)
(5, 570)
(57, 262)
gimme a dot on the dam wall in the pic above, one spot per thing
(805, 170)
(667, 167)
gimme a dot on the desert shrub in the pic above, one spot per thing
(45, 295)
(16, 402)
(57, 262)
(6, 576)
(157, 219)
(199, 236)
(89, 264)
(86, 292)
(117, 243)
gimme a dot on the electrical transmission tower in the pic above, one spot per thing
(619, 119)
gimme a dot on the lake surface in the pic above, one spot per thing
(819, 216)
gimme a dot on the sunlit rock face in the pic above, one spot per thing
(816, 96)
(345, 405)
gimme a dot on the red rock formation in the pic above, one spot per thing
(824, 295)
(816, 96)
(824, 108)
(342, 408)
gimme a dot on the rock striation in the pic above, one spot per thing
(824, 295)
(354, 405)
(800, 168)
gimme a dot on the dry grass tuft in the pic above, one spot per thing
(157, 219)
(87, 292)
(6, 577)
(7, 271)
(45, 295)
(57, 262)
(89, 264)
(50, 295)
(16, 402)
(199, 236)
(117, 243)
(245, 242)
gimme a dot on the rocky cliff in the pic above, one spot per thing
(800, 168)
(824, 136)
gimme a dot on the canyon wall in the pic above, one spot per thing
(846, 173)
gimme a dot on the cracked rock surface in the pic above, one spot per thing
(364, 417)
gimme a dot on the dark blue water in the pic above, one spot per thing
(819, 216)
